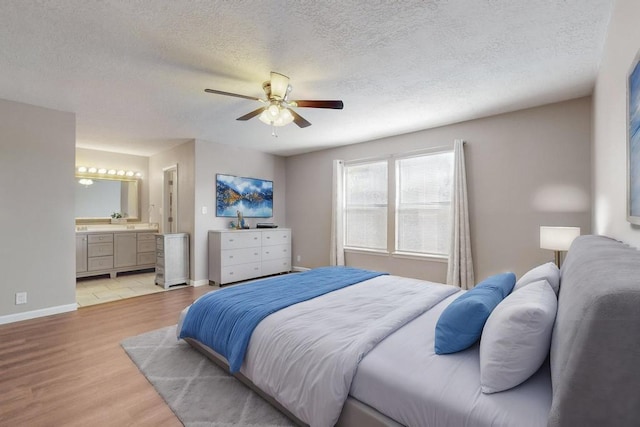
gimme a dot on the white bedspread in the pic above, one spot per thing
(306, 355)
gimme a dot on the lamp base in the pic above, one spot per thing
(558, 258)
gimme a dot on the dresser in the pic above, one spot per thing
(100, 252)
(236, 255)
(172, 259)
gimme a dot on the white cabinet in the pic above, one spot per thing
(236, 255)
(172, 259)
(112, 253)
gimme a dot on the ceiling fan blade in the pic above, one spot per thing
(219, 92)
(336, 105)
(252, 114)
(299, 120)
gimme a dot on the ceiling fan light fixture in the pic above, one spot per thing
(279, 85)
(282, 117)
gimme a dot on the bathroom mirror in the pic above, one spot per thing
(98, 198)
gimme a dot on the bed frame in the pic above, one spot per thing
(595, 346)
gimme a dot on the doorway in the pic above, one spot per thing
(170, 200)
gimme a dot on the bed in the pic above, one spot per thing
(382, 370)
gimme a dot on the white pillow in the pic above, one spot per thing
(517, 336)
(549, 272)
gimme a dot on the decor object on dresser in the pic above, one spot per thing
(102, 252)
(172, 259)
(633, 142)
(558, 239)
(251, 196)
(236, 255)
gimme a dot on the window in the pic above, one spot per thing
(366, 206)
(420, 185)
(423, 188)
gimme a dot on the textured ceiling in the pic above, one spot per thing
(134, 72)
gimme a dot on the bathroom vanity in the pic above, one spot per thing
(113, 249)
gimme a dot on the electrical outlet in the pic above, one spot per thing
(204, 210)
(21, 298)
(298, 258)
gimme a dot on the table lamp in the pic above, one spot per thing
(557, 239)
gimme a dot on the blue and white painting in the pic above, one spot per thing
(253, 197)
(634, 143)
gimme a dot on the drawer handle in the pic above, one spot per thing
(255, 253)
(267, 252)
(231, 240)
(255, 268)
(231, 273)
(230, 256)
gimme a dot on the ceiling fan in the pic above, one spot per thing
(278, 109)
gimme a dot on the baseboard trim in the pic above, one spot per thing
(296, 268)
(196, 283)
(17, 317)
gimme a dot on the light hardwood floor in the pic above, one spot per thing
(69, 369)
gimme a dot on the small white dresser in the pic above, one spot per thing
(236, 255)
(172, 259)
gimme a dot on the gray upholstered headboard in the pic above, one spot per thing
(595, 347)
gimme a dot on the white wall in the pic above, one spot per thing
(524, 169)
(37, 253)
(198, 163)
(109, 160)
(610, 126)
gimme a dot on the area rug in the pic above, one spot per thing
(198, 391)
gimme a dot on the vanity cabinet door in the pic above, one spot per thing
(81, 253)
(126, 250)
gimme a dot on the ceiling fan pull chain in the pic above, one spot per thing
(273, 130)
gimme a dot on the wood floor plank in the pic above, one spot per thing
(69, 369)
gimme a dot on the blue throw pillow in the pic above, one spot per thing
(460, 324)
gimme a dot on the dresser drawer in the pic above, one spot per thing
(276, 237)
(99, 249)
(275, 252)
(239, 256)
(240, 240)
(276, 266)
(100, 263)
(146, 246)
(235, 273)
(146, 258)
(100, 238)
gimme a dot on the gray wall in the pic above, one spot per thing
(610, 126)
(37, 254)
(183, 156)
(213, 158)
(109, 160)
(198, 163)
(524, 169)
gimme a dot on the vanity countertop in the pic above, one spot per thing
(113, 228)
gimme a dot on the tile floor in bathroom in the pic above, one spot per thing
(101, 289)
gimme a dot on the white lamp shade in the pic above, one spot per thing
(279, 84)
(557, 238)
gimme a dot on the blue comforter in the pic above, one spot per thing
(224, 320)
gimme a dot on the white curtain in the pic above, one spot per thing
(337, 230)
(460, 270)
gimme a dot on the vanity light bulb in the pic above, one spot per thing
(138, 174)
(111, 172)
(121, 173)
(93, 170)
(82, 169)
(129, 173)
(102, 170)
